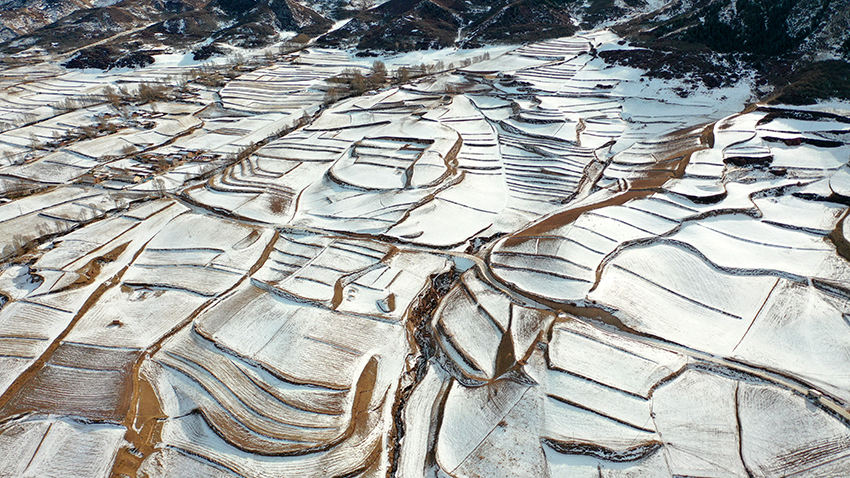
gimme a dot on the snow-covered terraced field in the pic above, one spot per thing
(537, 264)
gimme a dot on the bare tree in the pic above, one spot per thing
(379, 73)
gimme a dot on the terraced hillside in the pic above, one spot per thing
(514, 261)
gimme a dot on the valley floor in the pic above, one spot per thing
(499, 262)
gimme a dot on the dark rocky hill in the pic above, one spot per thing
(700, 40)
(179, 23)
(758, 28)
(85, 26)
(257, 23)
(403, 25)
(19, 17)
(800, 48)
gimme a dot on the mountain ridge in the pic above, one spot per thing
(697, 40)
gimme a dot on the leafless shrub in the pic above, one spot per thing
(277, 204)
(246, 151)
(10, 156)
(206, 75)
(110, 94)
(378, 75)
(301, 39)
(128, 150)
(28, 118)
(67, 104)
(72, 103)
(334, 94)
(88, 132)
(34, 142)
(402, 75)
(150, 92)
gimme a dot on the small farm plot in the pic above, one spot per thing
(47, 444)
(693, 303)
(315, 395)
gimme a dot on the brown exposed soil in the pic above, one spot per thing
(89, 272)
(842, 247)
(423, 346)
(25, 379)
(144, 425)
(671, 165)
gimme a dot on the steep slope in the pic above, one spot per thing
(764, 28)
(258, 23)
(400, 25)
(80, 28)
(403, 25)
(172, 23)
(799, 48)
(522, 21)
(340, 9)
(88, 25)
(595, 13)
(393, 25)
(18, 17)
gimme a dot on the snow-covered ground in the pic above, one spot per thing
(263, 278)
